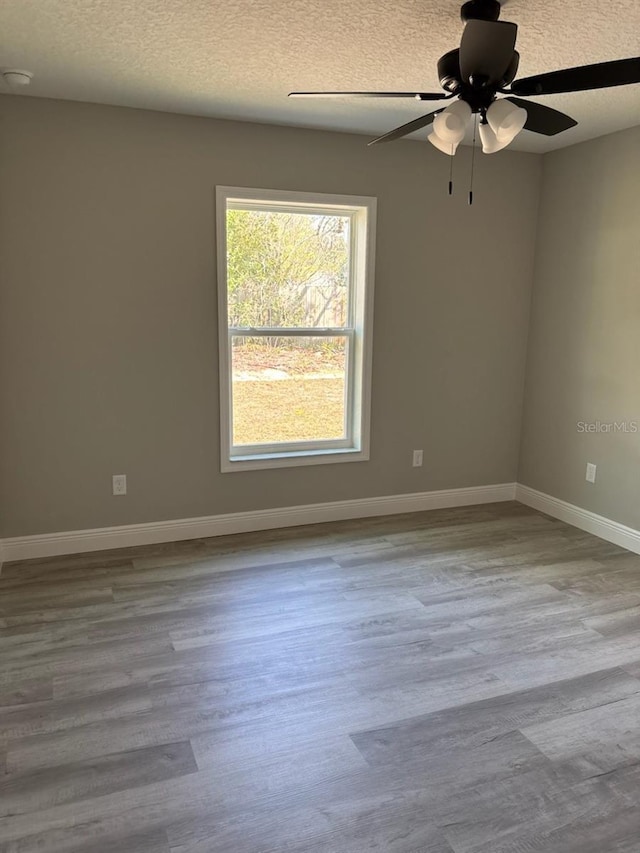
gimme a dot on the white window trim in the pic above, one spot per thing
(363, 208)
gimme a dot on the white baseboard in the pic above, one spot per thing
(605, 528)
(126, 536)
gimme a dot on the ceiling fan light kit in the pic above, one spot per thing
(489, 140)
(449, 127)
(506, 120)
(500, 125)
(439, 143)
(485, 66)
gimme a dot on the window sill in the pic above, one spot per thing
(257, 462)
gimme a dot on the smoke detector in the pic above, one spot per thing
(16, 78)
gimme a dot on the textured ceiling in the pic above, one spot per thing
(239, 59)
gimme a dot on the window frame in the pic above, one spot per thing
(358, 332)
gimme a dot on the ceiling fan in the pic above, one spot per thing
(481, 68)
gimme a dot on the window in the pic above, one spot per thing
(295, 297)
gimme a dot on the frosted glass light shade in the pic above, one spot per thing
(450, 124)
(506, 120)
(446, 147)
(490, 142)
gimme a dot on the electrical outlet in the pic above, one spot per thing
(417, 459)
(119, 482)
(591, 472)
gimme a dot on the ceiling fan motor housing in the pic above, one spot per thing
(449, 70)
(451, 79)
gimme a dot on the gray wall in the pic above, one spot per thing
(108, 351)
(584, 349)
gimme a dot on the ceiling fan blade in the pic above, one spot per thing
(602, 75)
(544, 120)
(404, 129)
(419, 96)
(486, 50)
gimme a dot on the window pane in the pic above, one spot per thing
(287, 269)
(288, 389)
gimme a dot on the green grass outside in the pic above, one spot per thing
(287, 392)
(287, 410)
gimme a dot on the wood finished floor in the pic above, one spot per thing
(459, 681)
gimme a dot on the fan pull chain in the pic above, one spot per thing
(451, 171)
(473, 157)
